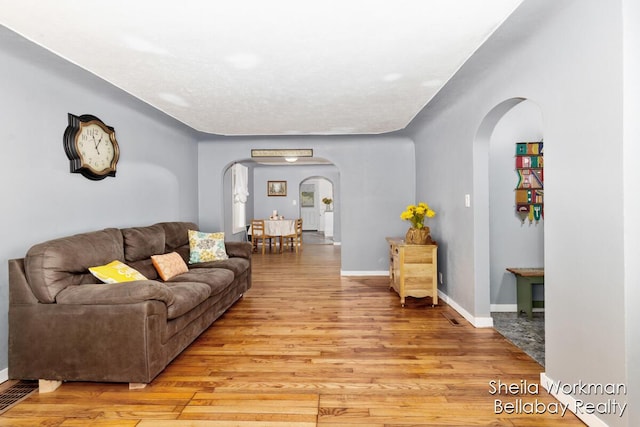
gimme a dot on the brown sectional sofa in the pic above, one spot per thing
(64, 325)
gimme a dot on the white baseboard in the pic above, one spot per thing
(566, 399)
(364, 273)
(483, 322)
(504, 308)
(511, 308)
(4, 375)
(478, 322)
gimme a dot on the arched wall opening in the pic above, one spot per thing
(500, 238)
(514, 241)
(312, 191)
(261, 205)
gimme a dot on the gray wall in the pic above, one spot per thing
(377, 181)
(566, 57)
(156, 176)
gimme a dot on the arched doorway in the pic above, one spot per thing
(317, 216)
(502, 238)
(323, 174)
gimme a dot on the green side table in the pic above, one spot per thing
(525, 278)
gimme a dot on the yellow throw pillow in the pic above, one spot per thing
(169, 265)
(116, 272)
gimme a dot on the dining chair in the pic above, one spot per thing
(258, 233)
(296, 237)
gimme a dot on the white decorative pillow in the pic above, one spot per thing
(205, 247)
(169, 265)
(116, 272)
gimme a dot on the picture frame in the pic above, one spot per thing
(307, 199)
(276, 188)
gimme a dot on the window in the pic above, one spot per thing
(240, 192)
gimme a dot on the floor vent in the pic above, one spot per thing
(15, 393)
(451, 319)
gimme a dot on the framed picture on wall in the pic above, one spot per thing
(276, 188)
(307, 199)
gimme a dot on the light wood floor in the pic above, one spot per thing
(306, 347)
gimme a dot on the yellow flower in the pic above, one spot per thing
(417, 214)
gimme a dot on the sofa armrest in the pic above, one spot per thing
(238, 249)
(80, 342)
(116, 293)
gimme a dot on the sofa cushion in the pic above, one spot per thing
(176, 234)
(218, 279)
(237, 265)
(116, 272)
(117, 293)
(169, 265)
(183, 251)
(142, 242)
(52, 266)
(206, 247)
(145, 266)
(186, 296)
(239, 249)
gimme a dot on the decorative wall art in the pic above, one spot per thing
(307, 199)
(276, 188)
(530, 188)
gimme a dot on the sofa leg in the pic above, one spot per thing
(137, 386)
(47, 386)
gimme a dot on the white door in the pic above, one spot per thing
(309, 218)
(309, 206)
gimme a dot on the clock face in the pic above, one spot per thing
(95, 147)
(91, 147)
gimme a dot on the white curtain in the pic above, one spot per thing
(240, 191)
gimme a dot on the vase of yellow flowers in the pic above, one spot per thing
(327, 203)
(418, 234)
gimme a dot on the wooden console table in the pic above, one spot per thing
(525, 278)
(413, 270)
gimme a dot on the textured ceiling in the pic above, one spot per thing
(280, 67)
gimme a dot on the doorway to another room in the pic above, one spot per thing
(316, 210)
(514, 236)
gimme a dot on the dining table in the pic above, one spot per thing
(278, 228)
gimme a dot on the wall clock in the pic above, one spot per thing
(91, 147)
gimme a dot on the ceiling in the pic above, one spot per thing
(279, 67)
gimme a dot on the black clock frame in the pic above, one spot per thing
(70, 139)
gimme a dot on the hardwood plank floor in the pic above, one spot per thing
(306, 347)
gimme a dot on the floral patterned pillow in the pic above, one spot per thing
(205, 247)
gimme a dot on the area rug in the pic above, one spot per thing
(525, 333)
